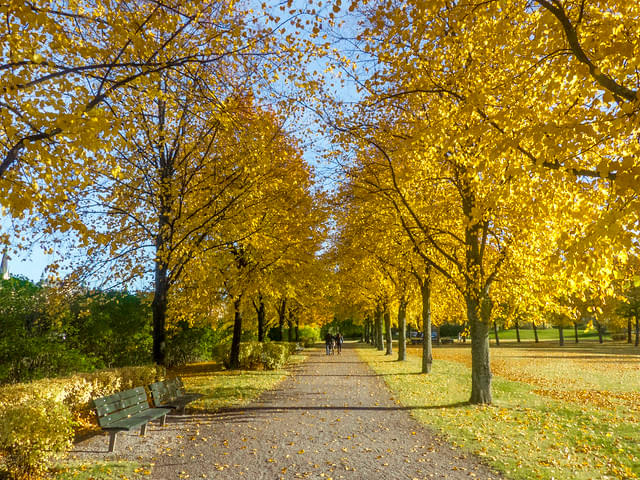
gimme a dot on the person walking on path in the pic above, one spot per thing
(328, 341)
(339, 342)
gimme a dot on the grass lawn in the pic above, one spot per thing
(221, 388)
(550, 334)
(569, 412)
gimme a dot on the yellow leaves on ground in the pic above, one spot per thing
(560, 414)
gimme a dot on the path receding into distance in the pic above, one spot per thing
(333, 418)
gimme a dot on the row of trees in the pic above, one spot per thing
(133, 134)
(491, 161)
(491, 158)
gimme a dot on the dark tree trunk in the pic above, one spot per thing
(159, 312)
(427, 347)
(297, 328)
(600, 332)
(234, 356)
(495, 331)
(162, 245)
(517, 331)
(366, 330)
(561, 335)
(290, 326)
(575, 331)
(402, 330)
(379, 339)
(260, 311)
(387, 331)
(629, 334)
(637, 330)
(479, 314)
(535, 332)
(282, 313)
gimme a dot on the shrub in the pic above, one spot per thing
(36, 417)
(29, 358)
(188, 344)
(31, 432)
(309, 336)
(256, 355)
(450, 330)
(275, 355)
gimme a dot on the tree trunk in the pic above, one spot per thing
(495, 331)
(297, 328)
(517, 331)
(260, 310)
(427, 347)
(561, 335)
(629, 335)
(290, 327)
(162, 245)
(637, 330)
(600, 335)
(282, 313)
(402, 330)
(379, 339)
(366, 330)
(575, 330)
(159, 312)
(373, 335)
(387, 331)
(535, 332)
(234, 356)
(479, 314)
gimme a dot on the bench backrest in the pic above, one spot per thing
(120, 405)
(167, 391)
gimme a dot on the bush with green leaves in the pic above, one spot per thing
(50, 331)
(191, 343)
(275, 355)
(32, 432)
(257, 355)
(309, 336)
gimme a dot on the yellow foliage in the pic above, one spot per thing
(32, 431)
(38, 419)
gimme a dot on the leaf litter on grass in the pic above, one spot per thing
(524, 434)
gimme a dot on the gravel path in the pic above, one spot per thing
(332, 419)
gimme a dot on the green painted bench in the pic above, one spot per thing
(126, 410)
(170, 393)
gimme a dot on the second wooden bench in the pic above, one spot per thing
(170, 393)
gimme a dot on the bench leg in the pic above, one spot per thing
(112, 441)
(163, 420)
(143, 429)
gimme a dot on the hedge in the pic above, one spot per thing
(36, 418)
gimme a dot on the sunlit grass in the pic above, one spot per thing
(527, 432)
(225, 388)
(550, 334)
(118, 470)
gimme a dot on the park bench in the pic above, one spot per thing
(126, 410)
(170, 393)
